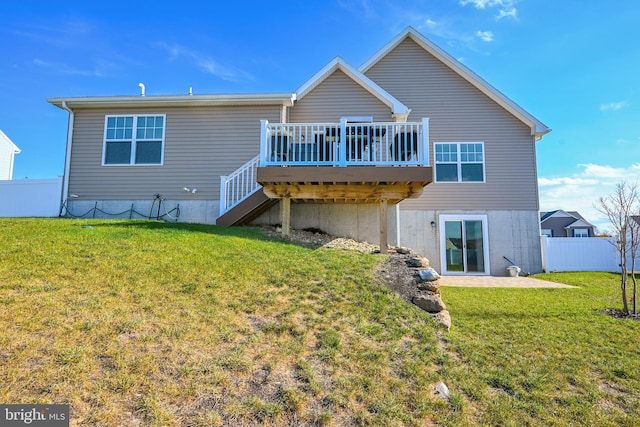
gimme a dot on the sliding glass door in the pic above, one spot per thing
(463, 243)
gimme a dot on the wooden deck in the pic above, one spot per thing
(327, 184)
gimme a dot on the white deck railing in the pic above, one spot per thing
(239, 185)
(328, 144)
(345, 144)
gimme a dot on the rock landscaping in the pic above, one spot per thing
(404, 271)
(410, 275)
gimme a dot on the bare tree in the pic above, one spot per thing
(619, 208)
(634, 243)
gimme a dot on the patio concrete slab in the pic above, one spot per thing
(498, 282)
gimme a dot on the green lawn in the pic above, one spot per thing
(544, 356)
(142, 322)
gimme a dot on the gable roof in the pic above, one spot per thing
(559, 213)
(365, 82)
(580, 223)
(576, 220)
(538, 129)
(4, 138)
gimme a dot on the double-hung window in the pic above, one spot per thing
(580, 232)
(134, 140)
(459, 162)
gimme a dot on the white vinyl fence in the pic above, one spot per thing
(579, 254)
(30, 197)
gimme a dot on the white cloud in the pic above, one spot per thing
(445, 29)
(207, 63)
(508, 12)
(600, 171)
(581, 191)
(361, 8)
(486, 36)
(505, 8)
(61, 68)
(614, 106)
(479, 4)
(545, 182)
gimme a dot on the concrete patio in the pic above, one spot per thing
(498, 282)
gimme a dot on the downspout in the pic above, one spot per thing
(11, 162)
(67, 158)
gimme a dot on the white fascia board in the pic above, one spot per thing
(285, 99)
(13, 147)
(538, 129)
(339, 63)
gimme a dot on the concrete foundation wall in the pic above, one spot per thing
(513, 234)
(358, 222)
(195, 211)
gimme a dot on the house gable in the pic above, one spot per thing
(7, 151)
(337, 95)
(559, 214)
(563, 222)
(538, 129)
(4, 140)
(459, 112)
(341, 67)
(579, 224)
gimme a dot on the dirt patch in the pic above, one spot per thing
(396, 274)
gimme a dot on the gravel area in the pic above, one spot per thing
(316, 239)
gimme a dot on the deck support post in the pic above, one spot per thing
(285, 214)
(383, 225)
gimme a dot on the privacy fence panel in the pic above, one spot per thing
(579, 254)
(30, 197)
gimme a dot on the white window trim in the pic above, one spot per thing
(586, 230)
(550, 232)
(459, 163)
(133, 140)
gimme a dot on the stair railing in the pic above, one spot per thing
(239, 185)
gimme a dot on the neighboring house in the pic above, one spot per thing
(561, 223)
(7, 152)
(412, 128)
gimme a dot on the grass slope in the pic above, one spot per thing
(136, 322)
(147, 323)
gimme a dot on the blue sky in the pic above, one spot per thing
(572, 64)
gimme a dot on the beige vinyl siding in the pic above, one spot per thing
(338, 96)
(201, 144)
(459, 112)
